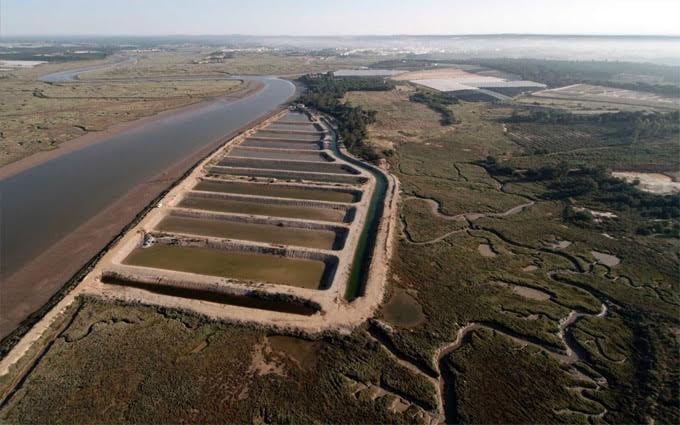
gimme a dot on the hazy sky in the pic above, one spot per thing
(338, 17)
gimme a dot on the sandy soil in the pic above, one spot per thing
(650, 182)
(443, 74)
(607, 95)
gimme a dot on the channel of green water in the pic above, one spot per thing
(363, 255)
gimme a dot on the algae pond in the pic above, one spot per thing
(277, 191)
(232, 264)
(267, 233)
(263, 209)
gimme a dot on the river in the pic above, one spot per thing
(47, 202)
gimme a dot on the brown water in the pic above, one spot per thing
(43, 204)
(276, 191)
(263, 209)
(231, 264)
(267, 233)
(247, 301)
(290, 175)
(305, 155)
(312, 167)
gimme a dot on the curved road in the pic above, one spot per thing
(58, 214)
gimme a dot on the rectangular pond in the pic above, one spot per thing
(287, 165)
(263, 209)
(289, 175)
(231, 264)
(274, 233)
(259, 143)
(279, 154)
(277, 191)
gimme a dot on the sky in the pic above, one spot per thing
(337, 17)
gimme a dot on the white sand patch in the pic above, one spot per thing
(650, 182)
(525, 291)
(606, 259)
(19, 64)
(486, 251)
(559, 244)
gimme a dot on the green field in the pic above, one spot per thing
(439, 264)
(162, 366)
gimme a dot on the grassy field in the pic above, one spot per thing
(440, 265)
(557, 336)
(231, 264)
(165, 367)
(269, 233)
(36, 116)
(184, 60)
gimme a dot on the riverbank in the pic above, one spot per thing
(247, 88)
(49, 271)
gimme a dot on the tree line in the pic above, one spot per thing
(325, 92)
(438, 102)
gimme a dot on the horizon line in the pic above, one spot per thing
(677, 35)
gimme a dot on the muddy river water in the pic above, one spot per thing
(41, 205)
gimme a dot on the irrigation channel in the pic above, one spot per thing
(363, 255)
(57, 202)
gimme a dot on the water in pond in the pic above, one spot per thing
(606, 259)
(305, 155)
(263, 209)
(232, 264)
(289, 175)
(268, 233)
(403, 310)
(247, 301)
(276, 191)
(313, 167)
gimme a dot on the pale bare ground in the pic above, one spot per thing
(443, 74)
(615, 96)
(338, 315)
(399, 120)
(650, 182)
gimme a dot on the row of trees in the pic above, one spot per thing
(635, 124)
(565, 181)
(325, 93)
(438, 102)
